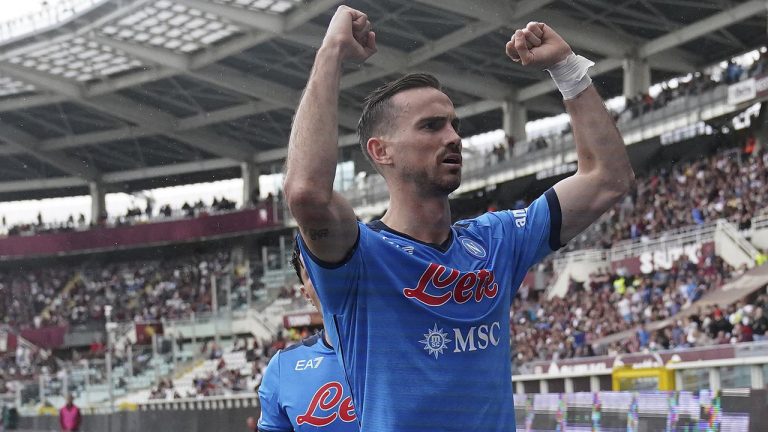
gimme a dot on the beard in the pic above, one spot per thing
(432, 183)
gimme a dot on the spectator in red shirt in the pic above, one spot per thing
(69, 416)
(251, 424)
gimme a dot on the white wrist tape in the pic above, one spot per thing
(570, 75)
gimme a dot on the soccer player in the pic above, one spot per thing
(304, 388)
(417, 308)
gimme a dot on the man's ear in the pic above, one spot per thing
(379, 151)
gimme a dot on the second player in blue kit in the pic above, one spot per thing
(304, 388)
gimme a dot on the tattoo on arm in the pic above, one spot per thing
(317, 234)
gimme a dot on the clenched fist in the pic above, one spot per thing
(537, 45)
(351, 32)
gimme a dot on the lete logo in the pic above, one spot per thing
(326, 398)
(462, 288)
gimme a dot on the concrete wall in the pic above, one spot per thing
(225, 420)
(201, 416)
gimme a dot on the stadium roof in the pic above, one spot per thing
(148, 93)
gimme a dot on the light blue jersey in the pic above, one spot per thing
(422, 331)
(304, 390)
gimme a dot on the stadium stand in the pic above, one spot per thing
(133, 215)
(197, 316)
(546, 328)
(728, 185)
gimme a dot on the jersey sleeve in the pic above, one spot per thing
(273, 417)
(532, 233)
(336, 284)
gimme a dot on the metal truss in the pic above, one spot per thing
(157, 88)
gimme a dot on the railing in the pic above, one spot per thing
(160, 233)
(584, 255)
(678, 237)
(240, 400)
(760, 222)
(729, 230)
(727, 410)
(688, 235)
(680, 112)
(45, 18)
(711, 367)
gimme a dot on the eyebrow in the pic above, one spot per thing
(455, 121)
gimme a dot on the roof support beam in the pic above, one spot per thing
(209, 164)
(162, 123)
(152, 119)
(278, 95)
(42, 184)
(294, 19)
(132, 132)
(31, 145)
(26, 102)
(387, 59)
(149, 118)
(596, 39)
(707, 25)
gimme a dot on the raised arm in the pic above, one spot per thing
(604, 172)
(326, 220)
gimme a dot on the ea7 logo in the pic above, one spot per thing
(308, 364)
(477, 338)
(519, 216)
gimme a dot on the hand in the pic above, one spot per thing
(537, 45)
(350, 31)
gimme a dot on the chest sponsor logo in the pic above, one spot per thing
(440, 284)
(475, 338)
(474, 248)
(435, 341)
(314, 363)
(327, 406)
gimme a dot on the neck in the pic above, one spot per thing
(325, 336)
(426, 218)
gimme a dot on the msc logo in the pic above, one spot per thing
(473, 339)
(477, 338)
(473, 247)
(435, 341)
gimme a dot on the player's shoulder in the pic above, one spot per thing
(309, 344)
(481, 222)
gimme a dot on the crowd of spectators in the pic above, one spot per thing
(729, 185)
(25, 293)
(743, 321)
(545, 329)
(133, 215)
(643, 102)
(225, 379)
(699, 82)
(140, 291)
